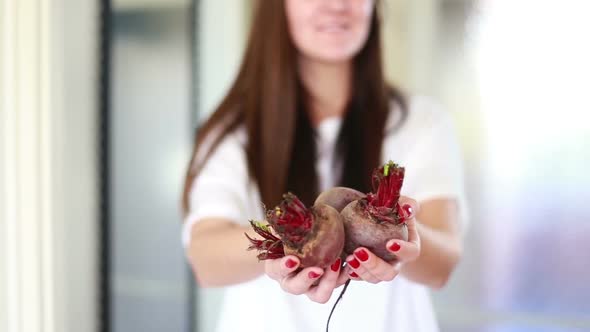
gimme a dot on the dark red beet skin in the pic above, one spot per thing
(339, 197)
(374, 220)
(363, 231)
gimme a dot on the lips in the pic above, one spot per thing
(333, 28)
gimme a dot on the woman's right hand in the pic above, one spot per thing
(317, 283)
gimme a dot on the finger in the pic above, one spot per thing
(410, 207)
(351, 274)
(278, 269)
(300, 283)
(407, 250)
(342, 278)
(409, 210)
(360, 270)
(404, 251)
(413, 235)
(323, 291)
(377, 267)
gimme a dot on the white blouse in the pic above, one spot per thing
(425, 145)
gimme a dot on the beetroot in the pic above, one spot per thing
(315, 235)
(377, 218)
(339, 197)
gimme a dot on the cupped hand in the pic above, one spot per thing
(317, 283)
(365, 265)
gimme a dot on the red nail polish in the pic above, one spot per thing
(336, 265)
(408, 211)
(401, 213)
(354, 263)
(354, 275)
(395, 247)
(290, 263)
(362, 255)
(313, 275)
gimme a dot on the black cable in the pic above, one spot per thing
(336, 303)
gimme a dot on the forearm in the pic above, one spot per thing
(440, 253)
(219, 257)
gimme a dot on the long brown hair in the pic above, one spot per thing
(268, 98)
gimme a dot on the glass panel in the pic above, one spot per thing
(150, 144)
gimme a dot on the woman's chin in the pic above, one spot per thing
(333, 57)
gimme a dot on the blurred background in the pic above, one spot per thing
(99, 106)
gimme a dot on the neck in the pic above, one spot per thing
(328, 86)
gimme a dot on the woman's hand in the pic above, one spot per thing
(317, 283)
(364, 265)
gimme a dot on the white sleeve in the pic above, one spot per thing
(220, 189)
(437, 164)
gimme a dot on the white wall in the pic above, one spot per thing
(48, 161)
(79, 158)
(3, 263)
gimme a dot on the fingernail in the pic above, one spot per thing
(401, 213)
(395, 247)
(290, 263)
(408, 211)
(336, 265)
(353, 274)
(354, 263)
(362, 255)
(313, 275)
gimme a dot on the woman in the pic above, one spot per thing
(309, 110)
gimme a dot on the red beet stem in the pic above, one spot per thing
(269, 248)
(292, 220)
(387, 182)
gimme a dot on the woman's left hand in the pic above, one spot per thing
(365, 265)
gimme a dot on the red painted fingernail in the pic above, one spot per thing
(401, 213)
(408, 211)
(290, 263)
(354, 275)
(354, 263)
(313, 275)
(362, 255)
(395, 247)
(336, 265)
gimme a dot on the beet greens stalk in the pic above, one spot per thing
(383, 203)
(271, 247)
(292, 220)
